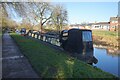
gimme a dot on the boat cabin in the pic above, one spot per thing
(23, 31)
(76, 40)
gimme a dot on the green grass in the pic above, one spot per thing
(50, 63)
(108, 38)
(105, 33)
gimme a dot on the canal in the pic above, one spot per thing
(106, 61)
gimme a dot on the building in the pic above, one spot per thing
(101, 26)
(113, 23)
(77, 26)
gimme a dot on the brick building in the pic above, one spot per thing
(113, 23)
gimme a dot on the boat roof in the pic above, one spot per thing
(81, 29)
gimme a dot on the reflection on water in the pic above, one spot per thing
(106, 61)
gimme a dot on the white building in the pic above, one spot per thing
(101, 25)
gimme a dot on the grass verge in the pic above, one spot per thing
(50, 63)
(105, 38)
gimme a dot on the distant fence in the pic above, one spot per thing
(52, 39)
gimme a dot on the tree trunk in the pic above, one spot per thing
(40, 26)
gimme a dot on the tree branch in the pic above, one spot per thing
(47, 19)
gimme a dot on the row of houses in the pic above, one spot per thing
(112, 25)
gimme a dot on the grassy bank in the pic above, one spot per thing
(50, 63)
(105, 38)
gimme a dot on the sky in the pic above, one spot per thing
(82, 0)
(79, 12)
(12, 14)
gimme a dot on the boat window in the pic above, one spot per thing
(65, 34)
(87, 36)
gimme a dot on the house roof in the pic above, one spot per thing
(113, 18)
(100, 23)
(72, 25)
(103, 23)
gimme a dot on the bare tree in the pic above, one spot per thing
(6, 21)
(59, 17)
(42, 13)
(36, 12)
(3, 10)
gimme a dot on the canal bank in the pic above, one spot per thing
(104, 41)
(110, 50)
(50, 63)
(107, 39)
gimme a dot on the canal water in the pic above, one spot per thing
(106, 61)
